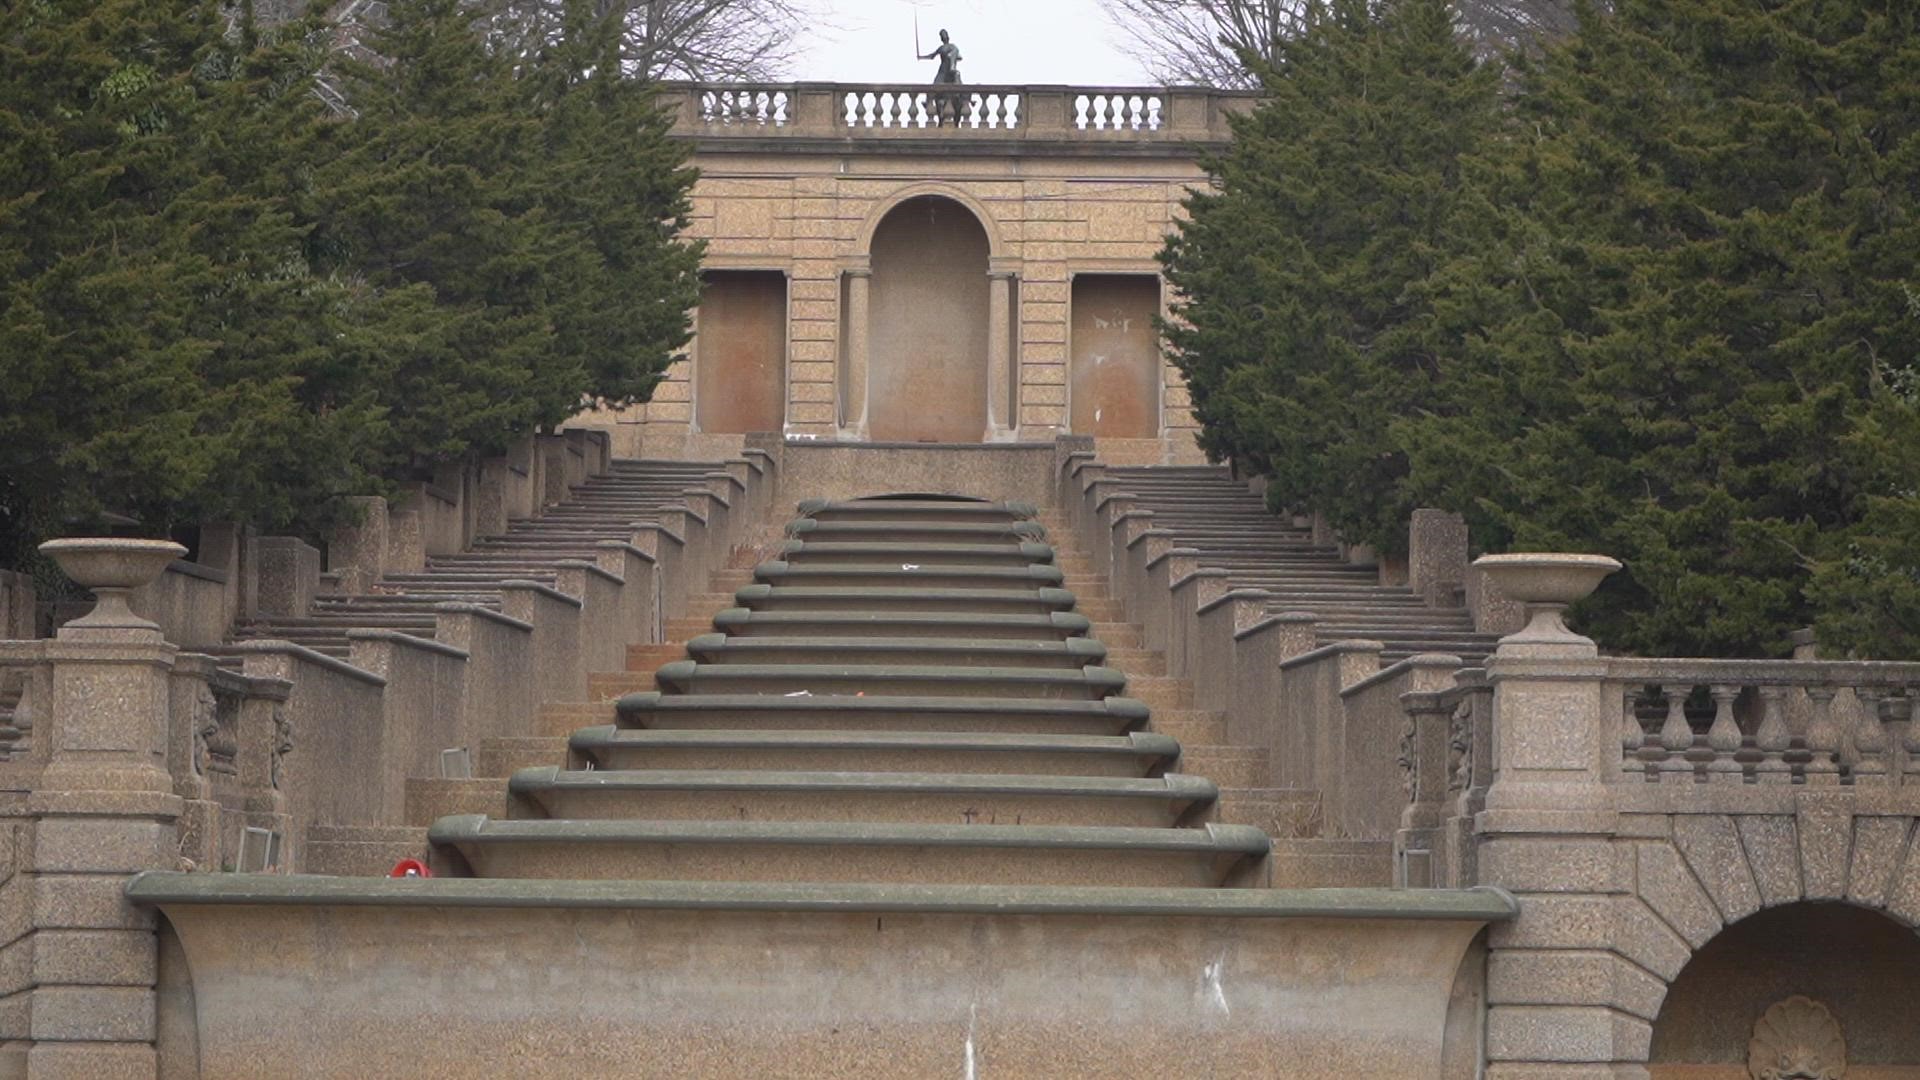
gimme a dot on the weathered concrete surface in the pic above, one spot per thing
(1018, 472)
(338, 990)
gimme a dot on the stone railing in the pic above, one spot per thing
(884, 110)
(26, 690)
(1767, 722)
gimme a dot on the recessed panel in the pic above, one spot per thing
(927, 367)
(741, 354)
(1114, 371)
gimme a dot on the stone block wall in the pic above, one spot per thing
(1047, 220)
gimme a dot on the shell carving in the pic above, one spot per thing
(1797, 1039)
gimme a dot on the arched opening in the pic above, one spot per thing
(928, 318)
(1801, 972)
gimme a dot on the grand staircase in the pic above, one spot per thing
(1207, 510)
(910, 690)
(603, 508)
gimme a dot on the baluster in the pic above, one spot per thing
(1723, 737)
(19, 720)
(1870, 743)
(1105, 110)
(1772, 738)
(1015, 104)
(996, 112)
(1633, 737)
(1155, 112)
(1081, 106)
(781, 102)
(1823, 738)
(1136, 112)
(1676, 735)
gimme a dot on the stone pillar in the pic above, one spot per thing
(1437, 557)
(1001, 413)
(1546, 835)
(358, 552)
(853, 411)
(106, 810)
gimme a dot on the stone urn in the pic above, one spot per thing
(112, 568)
(1547, 583)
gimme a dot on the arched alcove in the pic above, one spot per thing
(928, 318)
(1860, 966)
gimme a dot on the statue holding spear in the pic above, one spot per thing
(949, 74)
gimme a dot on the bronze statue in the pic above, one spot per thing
(945, 105)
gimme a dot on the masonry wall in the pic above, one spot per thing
(1048, 219)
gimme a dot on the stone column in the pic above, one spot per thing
(106, 810)
(1001, 422)
(1547, 836)
(853, 411)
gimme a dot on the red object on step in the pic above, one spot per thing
(410, 868)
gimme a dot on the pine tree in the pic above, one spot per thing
(1686, 291)
(1296, 333)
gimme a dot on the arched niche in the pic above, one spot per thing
(928, 324)
(1859, 967)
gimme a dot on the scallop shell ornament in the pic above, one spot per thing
(1797, 1039)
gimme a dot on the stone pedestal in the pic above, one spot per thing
(105, 809)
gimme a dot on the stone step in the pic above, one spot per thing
(822, 712)
(848, 852)
(502, 756)
(1033, 601)
(604, 686)
(1330, 864)
(1191, 727)
(917, 532)
(1013, 553)
(1116, 635)
(1068, 653)
(914, 510)
(428, 799)
(559, 719)
(1288, 813)
(907, 575)
(360, 850)
(1051, 626)
(1228, 766)
(650, 657)
(1134, 754)
(692, 677)
(844, 796)
(1161, 692)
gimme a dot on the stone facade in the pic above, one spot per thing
(1071, 207)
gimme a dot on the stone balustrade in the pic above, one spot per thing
(1767, 722)
(892, 110)
(26, 687)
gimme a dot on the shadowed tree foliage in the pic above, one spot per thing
(1675, 320)
(221, 300)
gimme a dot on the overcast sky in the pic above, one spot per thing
(1001, 41)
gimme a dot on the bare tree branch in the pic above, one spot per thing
(1203, 41)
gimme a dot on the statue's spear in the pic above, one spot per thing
(916, 32)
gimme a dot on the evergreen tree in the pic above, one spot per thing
(1297, 334)
(1683, 327)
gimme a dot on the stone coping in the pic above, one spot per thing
(1333, 649)
(197, 570)
(542, 590)
(269, 646)
(591, 568)
(1446, 661)
(1479, 904)
(462, 607)
(407, 641)
(621, 545)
